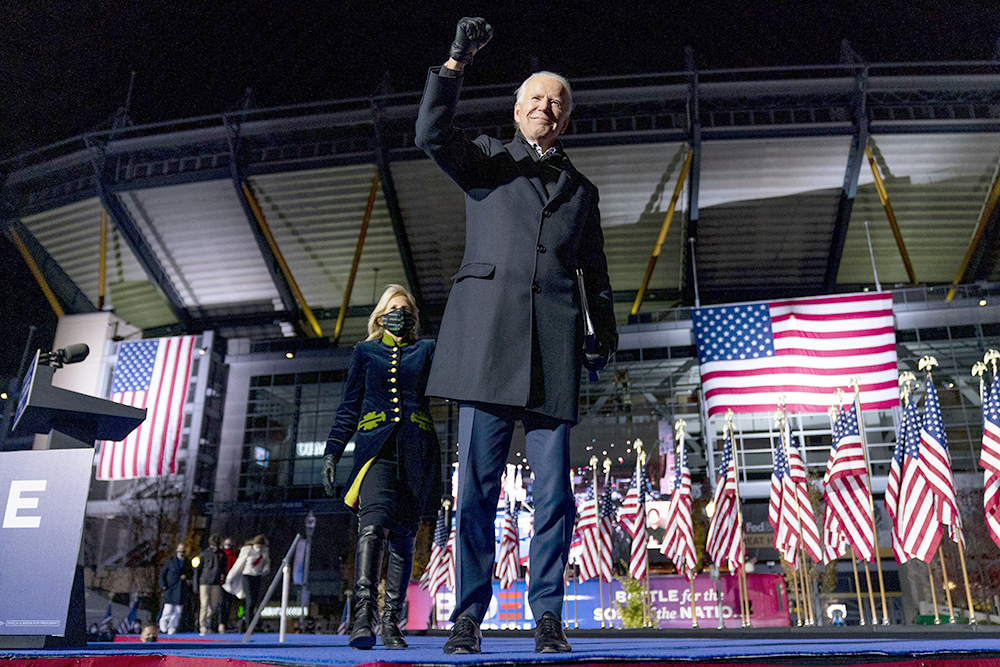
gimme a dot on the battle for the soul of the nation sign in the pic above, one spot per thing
(802, 349)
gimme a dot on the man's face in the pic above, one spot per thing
(543, 113)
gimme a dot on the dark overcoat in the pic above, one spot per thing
(385, 396)
(512, 328)
(174, 590)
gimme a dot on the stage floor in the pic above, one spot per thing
(898, 646)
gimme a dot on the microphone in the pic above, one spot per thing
(71, 354)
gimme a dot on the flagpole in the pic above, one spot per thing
(857, 585)
(871, 593)
(856, 381)
(807, 584)
(930, 575)
(805, 590)
(946, 584)
(965, 577)
(839, 395)
(678, 457)
(600, 557)
(640, 459)
(785, 437)
(779, 419)
(741, 578)
(930, 362)
(576, 595)
(447, 523)
(905, 378)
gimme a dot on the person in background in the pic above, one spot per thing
(149, 633)
(244, 578)
(175, 587)
(225, 597)
(397, 459)
(209, 578)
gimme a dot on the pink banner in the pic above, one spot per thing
(670, 596)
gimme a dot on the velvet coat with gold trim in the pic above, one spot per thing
(384, 396)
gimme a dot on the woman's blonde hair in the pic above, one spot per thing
(375, 329)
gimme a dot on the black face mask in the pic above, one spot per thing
(399, 322)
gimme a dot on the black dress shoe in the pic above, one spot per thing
(465, 637)
(549, 635)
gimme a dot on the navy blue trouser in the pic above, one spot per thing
(484, 435)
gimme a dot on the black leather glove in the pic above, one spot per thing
(329, 474)
(471, 34)
(598, 352)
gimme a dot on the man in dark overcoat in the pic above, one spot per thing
(512, 339)
(175, 587)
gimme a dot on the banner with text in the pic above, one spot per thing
(671, 600)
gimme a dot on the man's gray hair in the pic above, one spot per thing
(552, 75)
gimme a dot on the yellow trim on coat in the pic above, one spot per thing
(351, 497)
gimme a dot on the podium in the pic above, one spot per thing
(70, 419)
(45, 495)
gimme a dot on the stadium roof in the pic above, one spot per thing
(776, 202)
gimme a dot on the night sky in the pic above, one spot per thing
(65, 64)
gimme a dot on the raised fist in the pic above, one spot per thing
(471, 34)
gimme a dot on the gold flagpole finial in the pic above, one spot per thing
(779, 414)
(642, 458)
(839, 393)
(905, 380)
(606, 466)
(991, 357)
(729, 416)
(679, 426)
(832, 411)
(927, 363)
(856, 383)
(978, 370)
(593, 462)
(447, 505)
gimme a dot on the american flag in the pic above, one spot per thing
(436, 573)
(345, 619)
(917, 527)
(128, 623)
(990, 459)
(586, 528)
(847, 496)
(678, 538)
(793, 519)
(633, 518)
(151, 374)
(937, 463)
(606, 520)
(507, 565)
(895, 480)
(725, 531)
(834, 540)
(802, 348)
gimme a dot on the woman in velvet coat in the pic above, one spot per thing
(396, 476)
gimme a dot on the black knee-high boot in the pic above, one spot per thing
(367, 571)
(397, 578)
